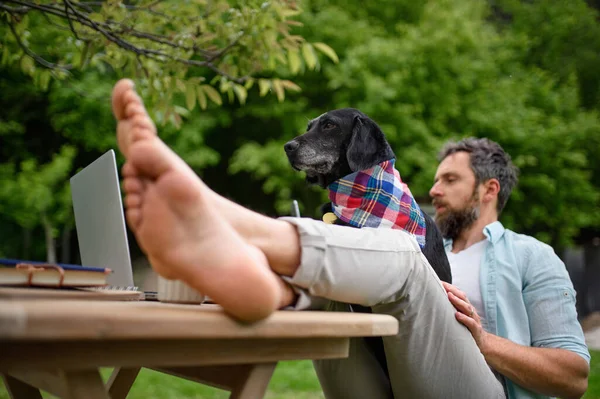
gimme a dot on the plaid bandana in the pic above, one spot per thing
(377, 197)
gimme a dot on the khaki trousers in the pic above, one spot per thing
(432, 356)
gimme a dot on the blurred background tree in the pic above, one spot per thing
(526, 74)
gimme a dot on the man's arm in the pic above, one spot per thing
(549, 371)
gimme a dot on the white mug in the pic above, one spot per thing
(175, 291)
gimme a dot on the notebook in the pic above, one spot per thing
(100, 220)
(15, 272)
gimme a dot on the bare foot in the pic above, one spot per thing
(184, 237)
(135, 125)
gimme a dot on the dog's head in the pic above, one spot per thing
(336, 144)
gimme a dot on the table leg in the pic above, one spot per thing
(120, 382)
(84, 384)
(256, 382)
(20, 390)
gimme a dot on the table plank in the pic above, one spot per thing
(67, 320)
(73, 355)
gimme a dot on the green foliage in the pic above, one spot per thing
(171, 48)
(37, 191)
(451, 74)
(525, 74)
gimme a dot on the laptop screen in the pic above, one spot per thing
(100, 221)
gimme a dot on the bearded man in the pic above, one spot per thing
(510, 290)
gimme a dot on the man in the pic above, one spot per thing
(521, 303)
(253, 265)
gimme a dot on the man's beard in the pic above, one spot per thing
(455, 221)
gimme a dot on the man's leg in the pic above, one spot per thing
(433, 355)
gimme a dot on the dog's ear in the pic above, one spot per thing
(368, 145)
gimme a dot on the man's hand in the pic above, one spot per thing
(467, 315)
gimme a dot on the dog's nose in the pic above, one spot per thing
(291, 146)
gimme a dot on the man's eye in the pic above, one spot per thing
(328, 125)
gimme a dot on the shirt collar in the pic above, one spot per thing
(493, 232)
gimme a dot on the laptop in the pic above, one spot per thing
(100, 220)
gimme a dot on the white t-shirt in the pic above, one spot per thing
(466, 266)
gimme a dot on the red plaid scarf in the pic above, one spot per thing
(377, 197)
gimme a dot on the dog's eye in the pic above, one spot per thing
(328, 125)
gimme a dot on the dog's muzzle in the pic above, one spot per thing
(291, 146)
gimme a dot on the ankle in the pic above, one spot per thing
(280, 242)
(287, 295)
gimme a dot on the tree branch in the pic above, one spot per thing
(67, 6)
(116, 36)
(37, 58)
(222, 52)
(14, 10)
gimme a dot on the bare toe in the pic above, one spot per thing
(133, 201)
(133, 105)
(128, 170)
(134, 123)
(134, 217)
(120, 88)
(133, 185)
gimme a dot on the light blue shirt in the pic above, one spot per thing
(528, 296)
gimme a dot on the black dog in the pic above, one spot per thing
(344, 141)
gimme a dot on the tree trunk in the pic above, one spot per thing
(50, 245)
(65, 246)
(26, 243)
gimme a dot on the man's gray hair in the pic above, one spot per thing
(488, 161)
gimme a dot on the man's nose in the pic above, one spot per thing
(291, 146)
(435, 191)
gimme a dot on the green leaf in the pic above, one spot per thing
(291, 86)
(309, 56)
(264, 86)
(294, 61)
(181, 85)
(180, 110)
(230, 94)
(278, 88)
(44, 79)
(241, 93)
(5, 55)
(201, 98)
(328, 51)
(190, 97)
(290, 12)
(27, 64)
(213, 94)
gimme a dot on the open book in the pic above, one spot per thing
(28, 273)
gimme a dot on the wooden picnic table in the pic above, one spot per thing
(59, 345)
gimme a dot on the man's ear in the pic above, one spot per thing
(367, 145)
(491, 188)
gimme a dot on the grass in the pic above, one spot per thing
(593, 391)
(294, 380)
